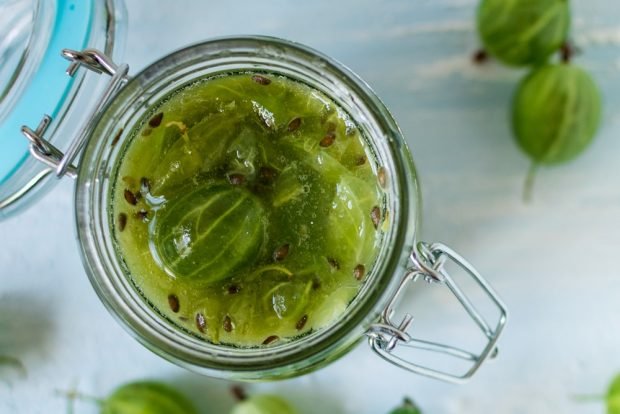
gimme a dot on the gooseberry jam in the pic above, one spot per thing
(247, 209)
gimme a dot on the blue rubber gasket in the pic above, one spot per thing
(50, 85)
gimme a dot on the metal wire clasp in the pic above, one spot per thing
(428, 261)
(40, 147)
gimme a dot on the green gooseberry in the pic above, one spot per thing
(408, 407)
(556, 112)
(146, 397)
(613, 396)
(208, 232)
(523, 32)
(263, 404)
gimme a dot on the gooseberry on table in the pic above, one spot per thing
(263, 404)
(523, 32)
(556, 112)
(613, 396)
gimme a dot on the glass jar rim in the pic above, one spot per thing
(102, 264)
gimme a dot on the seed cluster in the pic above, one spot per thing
(131, 197)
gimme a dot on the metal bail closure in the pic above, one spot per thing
(428, 263)
(41, 148)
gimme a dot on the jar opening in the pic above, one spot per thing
(134, 103)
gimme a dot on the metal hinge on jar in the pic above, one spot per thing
(40, 147)
(428, 264)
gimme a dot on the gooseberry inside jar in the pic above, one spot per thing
(247, 208)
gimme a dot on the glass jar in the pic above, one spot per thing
(127, 102)
(33, 82)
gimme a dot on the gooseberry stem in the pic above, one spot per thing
(567, 51)
(408, 402)
(480, 56)
(530, 179)
(73, 395)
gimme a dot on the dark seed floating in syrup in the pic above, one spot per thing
(360, 160)
(201, 322)
(145, 185)
(327, 140)
(271, 339)
(375, 216)
(117, 137)
(122, 221)
(227, 324)
(261, 80)
(333, 263)
(359, 271)
(301, 323)
(236, 179)
(234, 289)
(147, 132)
(280, 253)
(382, 176)
(173, 301)
(316, 284)
(155, 121)
(267, 175)
(130, 197)
(142, 215)
(294, 125)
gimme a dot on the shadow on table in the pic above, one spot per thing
(25, 326)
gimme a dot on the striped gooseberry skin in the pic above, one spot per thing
(264, 404)
(556, 113)
(209, 231)
(147, 397)
(523, 32)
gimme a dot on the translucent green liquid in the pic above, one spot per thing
(247, 209)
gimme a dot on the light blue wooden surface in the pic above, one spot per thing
(555, 261)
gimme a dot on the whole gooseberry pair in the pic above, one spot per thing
(152, 397)
(556, 110)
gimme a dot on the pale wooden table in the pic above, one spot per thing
(555, 261)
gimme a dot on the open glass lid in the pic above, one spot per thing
(36, 87)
